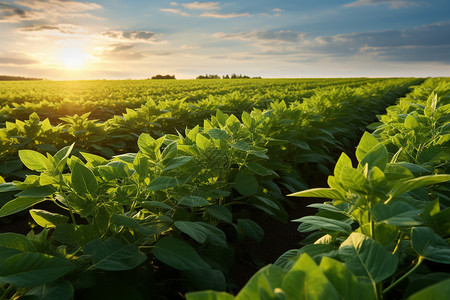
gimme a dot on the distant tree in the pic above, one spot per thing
(15, 78)
(164, 77)
(208, 76)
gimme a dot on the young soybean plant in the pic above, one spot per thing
(380, 222)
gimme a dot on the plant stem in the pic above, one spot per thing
(421, 258)
(5, 294)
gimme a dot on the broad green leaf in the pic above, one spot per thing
(353, 179)
(218, 134)
(241, 145)
(246, 184)
(209, 295)
(141, 165)
(178, 254)
(429, 245)
(220, 212)
(76, 235)
(258, 169)
(33, 269)
(397, 214)
(193, 201)
(35, 161)
(246, 119)
(366, 144)
(327, 207)
(202, 142)
(268, 202)
(319, 193)
(202, 232)
(63, 153)
(112, 255)
(171, 151)
(113, 170)
(57, 290)
(306, 281)
(366, 258)
(47, 219)
(18, 204)
(438, 291)
(251, 229)
(94, 160)
(149, 146)
(162, 183)
(343, 160)
(8, 187)
(176, 162)
(419, 182)
(411, 122)
(345, 283)
(221, 117)
(413, 167)
(265, 284)
(37, 192)
(6, 252)
(16, 241)
(83, 180)
(377, 157)
(193, 229)
(215, 235)
(311, 223)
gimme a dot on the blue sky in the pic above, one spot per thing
(117, 39)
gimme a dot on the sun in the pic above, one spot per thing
(73, 58)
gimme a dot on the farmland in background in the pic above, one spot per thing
(166, 182)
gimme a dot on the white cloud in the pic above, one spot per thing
(175, 11)
(45, 10)
(224, 16)
(202, 5)
(139, 36)
(393, 3)
(264, 36)
(61, 28)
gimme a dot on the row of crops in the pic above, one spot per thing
(105, 99)
(158, 116)
(168, 217)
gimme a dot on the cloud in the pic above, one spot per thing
(62, 28)
(60, 6)
(223, 16)
(393, 3)
(119, 52)
(140, 36)
(13, 14)
(202, 5)
(44, 10)
(12, 58)
(264, 36)
(175, 11)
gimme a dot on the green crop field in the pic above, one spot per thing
(157, 189)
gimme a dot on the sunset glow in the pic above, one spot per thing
(73, 58)
(135, 39)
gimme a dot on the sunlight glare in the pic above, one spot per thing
(73, 58)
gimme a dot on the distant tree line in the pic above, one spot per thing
(15, 78)
(164, 77)
(233, 76)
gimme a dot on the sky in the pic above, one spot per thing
(137, 39)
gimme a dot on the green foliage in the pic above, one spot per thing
(304, 280)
